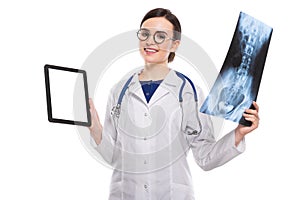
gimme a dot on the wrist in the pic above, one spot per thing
(97, 136)
(238, 137)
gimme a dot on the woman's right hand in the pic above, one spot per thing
(96, 127)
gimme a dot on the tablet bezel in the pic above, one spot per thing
(48, 95)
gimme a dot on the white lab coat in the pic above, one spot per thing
(148, 144)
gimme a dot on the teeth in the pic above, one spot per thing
(151, 50)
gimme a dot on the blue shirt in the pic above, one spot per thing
(149, 88)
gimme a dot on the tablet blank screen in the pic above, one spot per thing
(62, 84)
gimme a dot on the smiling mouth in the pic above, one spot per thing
(150, 50)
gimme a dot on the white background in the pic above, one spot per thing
(42, 160)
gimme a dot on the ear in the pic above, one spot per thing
(175, 45)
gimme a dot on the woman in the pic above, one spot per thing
(146, 137)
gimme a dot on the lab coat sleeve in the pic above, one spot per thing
(109, 135)
(208, 152)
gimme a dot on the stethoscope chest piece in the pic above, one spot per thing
(116, 110)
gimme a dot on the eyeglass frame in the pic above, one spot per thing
(137, 34)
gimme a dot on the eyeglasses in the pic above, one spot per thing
(158, 37)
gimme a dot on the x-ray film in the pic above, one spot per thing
(237, 84)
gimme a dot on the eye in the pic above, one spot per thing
(145, 33)
(161, 36)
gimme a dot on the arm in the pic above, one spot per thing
(210, 153)
(103, 138)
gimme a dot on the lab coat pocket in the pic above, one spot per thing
(182, 192)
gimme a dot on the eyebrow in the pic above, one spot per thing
(145, 29)
(155, 31)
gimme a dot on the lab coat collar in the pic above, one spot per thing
(171, 84)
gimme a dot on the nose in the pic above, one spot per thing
(150, 40)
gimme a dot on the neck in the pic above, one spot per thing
(154, 72)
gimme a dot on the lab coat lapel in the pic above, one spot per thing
(157, 95)
(168, 85)
(171, 84)
(136, 89)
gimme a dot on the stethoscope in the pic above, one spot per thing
(116, 110)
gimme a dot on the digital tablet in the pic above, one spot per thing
(67, 95)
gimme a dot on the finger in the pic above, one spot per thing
(92, 106)
(255, 106)
(93, 115)
(251, 111)
(255, 123)
(97, 116)
(251, 117)
(92, 118)
(92, 109)
(255, 113)
(254, 110)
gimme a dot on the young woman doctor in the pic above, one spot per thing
(146, 137)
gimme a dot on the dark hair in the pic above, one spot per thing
(161, 12)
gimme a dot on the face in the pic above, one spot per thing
(152, 49)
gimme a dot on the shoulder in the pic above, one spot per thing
(117, 87)
(186, 82)
(190, 86)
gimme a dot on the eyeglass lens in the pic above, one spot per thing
(158, 37)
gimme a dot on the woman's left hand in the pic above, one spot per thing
(249, 115)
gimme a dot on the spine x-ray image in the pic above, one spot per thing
(238, 81)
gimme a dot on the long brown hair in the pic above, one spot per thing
(161, 12)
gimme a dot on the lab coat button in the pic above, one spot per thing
(145, 161)
(145, 186)
(146, 114)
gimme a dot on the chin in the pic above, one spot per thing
(155, 60)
